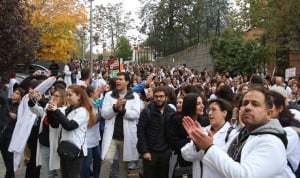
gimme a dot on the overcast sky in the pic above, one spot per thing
(128, 5)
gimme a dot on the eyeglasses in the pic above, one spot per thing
(159, 96)
(16, 92)
(211, 109)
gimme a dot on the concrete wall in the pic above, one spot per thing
(196, 57)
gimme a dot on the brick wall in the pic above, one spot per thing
(295, 61)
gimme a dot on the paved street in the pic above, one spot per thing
(21, 171)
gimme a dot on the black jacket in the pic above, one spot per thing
(148, 128)
(57, 117)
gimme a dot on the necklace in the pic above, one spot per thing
(215, 131)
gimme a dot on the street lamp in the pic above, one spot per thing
(91, 36)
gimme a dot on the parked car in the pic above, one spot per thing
(20, 77)
(20, 68)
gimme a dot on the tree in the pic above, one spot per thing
(280, 21)
(214, 17)
(177, 24)
(123, 49)
(111, 22)
(231, 53)
(18, 40)
(58, 21)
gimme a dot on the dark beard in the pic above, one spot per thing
(160, 107)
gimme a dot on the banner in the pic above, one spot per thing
(115, 72)
(290, 72)
(114, 64)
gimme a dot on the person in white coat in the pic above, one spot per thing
(70, 72)
(258, 150)
(287, 120)
(74, 122)
(46, 147)
(219, 112)
(121, 110)
(25, 122)
(11, 85)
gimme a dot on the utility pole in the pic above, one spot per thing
(91, 36)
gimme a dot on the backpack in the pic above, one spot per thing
(148, 113)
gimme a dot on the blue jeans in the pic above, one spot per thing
(45, 152)
(94, 155)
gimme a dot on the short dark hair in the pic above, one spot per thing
(126, 77)
(21, 91)
(224, 105)
(85, 73)
(161, 88)
(268, 99)
(256, 79)
(33, 83)
(90, 89)
(125, 74)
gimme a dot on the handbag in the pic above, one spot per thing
(68, 150)
(183, 172)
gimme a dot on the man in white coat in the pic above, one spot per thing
(70, 72)
(259, 149)
(121, 110)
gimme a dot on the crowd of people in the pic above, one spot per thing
(177, 120)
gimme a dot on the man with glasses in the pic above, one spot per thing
(258, 150)
(153, 135)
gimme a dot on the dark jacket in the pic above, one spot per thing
(148, 129)
(3, 111)
(12, 107)
(178, 138)
(57, 117)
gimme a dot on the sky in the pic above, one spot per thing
(132, 6)
(128, 5)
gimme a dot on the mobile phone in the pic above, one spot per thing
(35, 93)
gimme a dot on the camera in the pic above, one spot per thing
(43, 72)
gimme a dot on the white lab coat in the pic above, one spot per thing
(189, 152)
(68, 74)
(25, 121)
(292, 151)
(129, 125)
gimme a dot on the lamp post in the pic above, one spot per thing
(91, 36)
(82, 39)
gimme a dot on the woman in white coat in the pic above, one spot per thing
(219, 112)
(287, 120)
(48, 154)
(74, 122)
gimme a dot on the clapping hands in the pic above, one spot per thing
(202, 138)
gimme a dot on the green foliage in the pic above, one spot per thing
(280, 21)
(123, 49)
(169, 23)
(232, 53)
